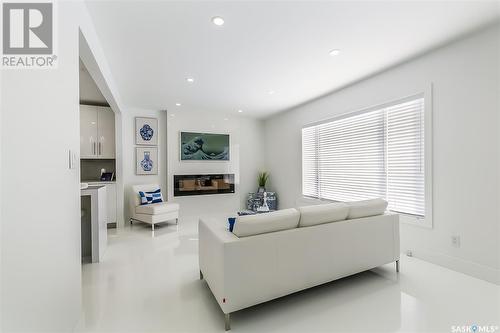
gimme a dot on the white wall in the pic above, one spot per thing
(246, 159)
(92, 56)
(128, 153)
(1, 193)
(89, 92)
(466, 145)
(40, 239)
(40, 217)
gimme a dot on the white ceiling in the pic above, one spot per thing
(153, 46)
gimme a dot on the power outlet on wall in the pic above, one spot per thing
(455, 241)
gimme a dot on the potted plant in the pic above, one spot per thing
(262, 180)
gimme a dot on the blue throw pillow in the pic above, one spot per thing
(151, 197)
(231, 221)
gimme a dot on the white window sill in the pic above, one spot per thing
(415, 220)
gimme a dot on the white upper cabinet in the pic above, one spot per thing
(97, 132)
(106, 132)
(88, 131)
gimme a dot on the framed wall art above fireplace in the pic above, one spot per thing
(204, 146)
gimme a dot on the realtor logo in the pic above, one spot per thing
(28, 35)
(27, 28)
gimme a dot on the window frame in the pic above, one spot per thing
(426, 94)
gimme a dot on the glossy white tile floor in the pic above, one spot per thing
(150, 284)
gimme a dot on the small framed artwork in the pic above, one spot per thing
(146, 131)
(146, 160)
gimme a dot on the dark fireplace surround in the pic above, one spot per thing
(186, 185)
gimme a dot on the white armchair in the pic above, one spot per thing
(152, 213)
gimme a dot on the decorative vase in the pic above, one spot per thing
(261, 189)
(146, 163)
(146, 132)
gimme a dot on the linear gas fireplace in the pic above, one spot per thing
(185, 185)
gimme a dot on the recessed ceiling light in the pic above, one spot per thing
(178, 104)
(271, 92)
(172, 115)
(334, 52)
(190, 80)
(240, 111)
(226, 118)
(217, 20)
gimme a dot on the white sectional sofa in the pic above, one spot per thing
(275, 254)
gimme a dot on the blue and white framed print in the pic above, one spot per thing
(146, 131)
(146, 161)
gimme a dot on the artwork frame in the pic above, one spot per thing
(146, 160)
(191, 147)
(146, 131)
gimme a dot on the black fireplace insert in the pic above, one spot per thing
(185, 185)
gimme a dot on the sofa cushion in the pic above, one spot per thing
(157, 208)
(325, 213)
(365, 208)
(249, 225)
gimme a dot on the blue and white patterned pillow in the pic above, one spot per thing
(151, 197)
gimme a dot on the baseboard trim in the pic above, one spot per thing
(473, 269)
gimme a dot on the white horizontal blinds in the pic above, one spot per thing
(350, 155)
(379, 153)
(405, 157)
(310, 162)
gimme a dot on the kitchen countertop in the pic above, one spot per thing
(92, 187)
(98, 182)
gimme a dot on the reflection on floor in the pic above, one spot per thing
(150, 284)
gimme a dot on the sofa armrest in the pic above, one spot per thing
(213, 239)
(395, 218)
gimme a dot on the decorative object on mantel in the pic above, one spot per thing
(262, 180)
(146, 131)
(256, 200)
(204, 147)
(146, 160)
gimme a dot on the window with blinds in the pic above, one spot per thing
(370, 154)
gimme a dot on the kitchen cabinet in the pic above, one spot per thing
(110, 199)
(96, 215)
(106, 132)
(88, 131)
(97, 132)
(111, 202)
